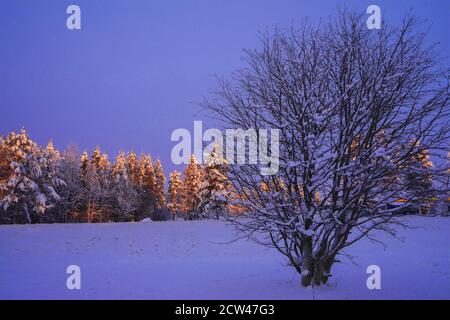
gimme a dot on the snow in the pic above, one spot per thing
(191, 260)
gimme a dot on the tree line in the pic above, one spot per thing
(43, 185)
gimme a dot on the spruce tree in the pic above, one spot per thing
(417, 179)
(84, 162)
(215, 186)
(52, 174)
(133, 168)
(160, 179)
(96, 158)
(124, 196)
(174, 192)
(191, 188)
(72, 200)
(95, 176)
(28, 187)
(148, 184)
(119, 170)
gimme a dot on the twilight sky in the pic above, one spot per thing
(134, 71)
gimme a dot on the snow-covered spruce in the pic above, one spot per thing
(42, 185)
(29, 178)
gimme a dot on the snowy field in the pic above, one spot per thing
(188, 260)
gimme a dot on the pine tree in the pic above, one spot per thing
(191, 188)
(104, 163)
(95, 177)
(124, 196)
(160, 195)
(417, 178)
(96, 158)
(72, 195)
(84, 162)
(101, 167)
(52, 164)
(148, 175)
(119, 170)
(174, 191)
(5, 169)
(52, 175)
(133, 168)
(215, 185)
(28, 183)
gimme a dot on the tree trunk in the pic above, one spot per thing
(307, 265)
(313, 271)
(26, 213)
(306, 278)
(327, 269)
(317, 275)
(88, 213)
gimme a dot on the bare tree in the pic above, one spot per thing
(352, 106)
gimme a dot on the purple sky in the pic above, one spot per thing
(132, 74)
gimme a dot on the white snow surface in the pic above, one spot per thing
(190, 260)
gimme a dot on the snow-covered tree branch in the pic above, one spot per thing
(354, 108)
